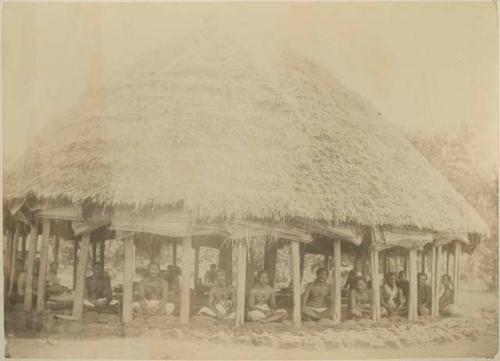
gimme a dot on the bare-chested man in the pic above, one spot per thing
(361, 300)
(153, 294)
(317, 296)
(221, 299)
(391, 296)
(262, 302)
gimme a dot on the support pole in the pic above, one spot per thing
(102, 254)
(8, 256)
(375, 285)
(23, 249)
(187, 264)
(302, 260)
(448, 254)
(28, 290)
(128, 277)
(75, 260)
(44, 260)
(434, 310)
(337, 281)
(438, 277)
(295, 254)
(456, 271)
(412, 305)
(423, 261)
(13, 267)
(94, 253)
(80, 277)
(56, 251)
(241, 286)
(174, 253)
(196, 264)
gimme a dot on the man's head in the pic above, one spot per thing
(262, 277)
(154, 270)
(220, 278)
(322, 275)
(360, 283)
(390, 278)
(213, 267)
(402, 275)
(96, 270)
(422, 278)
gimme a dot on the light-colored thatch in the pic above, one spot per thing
(239, 135)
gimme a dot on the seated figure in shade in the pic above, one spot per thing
(97, 292)
(317, 297)
(361, 300)
(391, 296)
(447, 306)
(262, 302)
(153, 294)
(423, 295)
(210, 275)
(221, 299)
(403, 284)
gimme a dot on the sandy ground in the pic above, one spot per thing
(158, 348)
(472, 336)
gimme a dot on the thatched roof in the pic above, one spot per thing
(235, 134)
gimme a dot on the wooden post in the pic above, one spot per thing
(456, 271)
(13, 267)
(8, 256)
(23, 249)
(241, 283)
(405, 265)
(337, 281)
(423, 261)
(56, 250)
(128, 277)
(80, 277)
(42, 273)
(375, 284)
(434, 310)
(302, 259)
(187, 264)
(28, 290)
(412, 305)
(196, 264)
(94, 253)
(448, 254)
(75, 260)
(174, 253)
(295, 254)
(102, 254)
(438, 277)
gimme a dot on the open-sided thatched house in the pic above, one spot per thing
(250, 145)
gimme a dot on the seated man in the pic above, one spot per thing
(317, 296)
(97, 292)
(391, 296)
(221, 299)
(403, 284)
(423, 295)
(361, 300)
(447, 307)
(262, 302)
(153, 294)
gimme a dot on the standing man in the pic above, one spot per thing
(317, 297)
(153, 294)
(262, 302)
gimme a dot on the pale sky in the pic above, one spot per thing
(428, 67)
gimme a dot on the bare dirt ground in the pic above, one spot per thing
(472, 336)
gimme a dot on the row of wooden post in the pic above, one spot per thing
(436, 263)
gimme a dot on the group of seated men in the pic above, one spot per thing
(394, 297)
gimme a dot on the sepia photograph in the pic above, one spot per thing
(249, 180)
